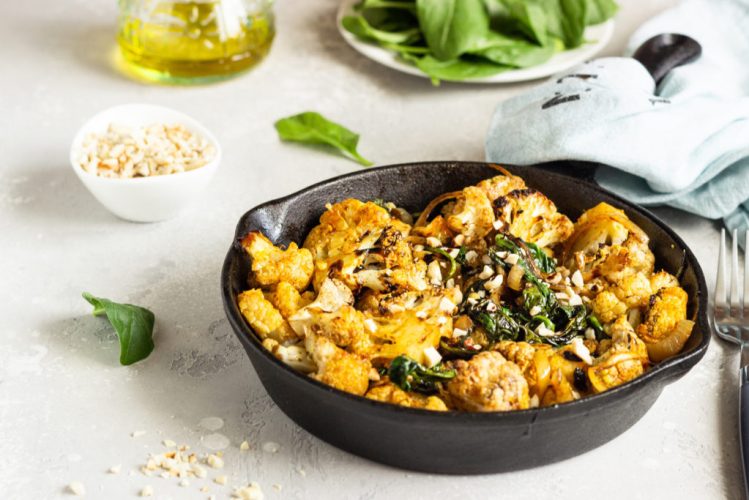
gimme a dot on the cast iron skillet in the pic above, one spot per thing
(456, 442)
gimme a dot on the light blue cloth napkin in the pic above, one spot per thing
(684, 144)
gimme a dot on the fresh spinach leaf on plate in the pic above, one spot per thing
(452, 27)
(133, 324)
(313, 128)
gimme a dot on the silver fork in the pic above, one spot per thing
(731, 322)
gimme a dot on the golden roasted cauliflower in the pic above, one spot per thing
(272, 265)
(532, 217)
(666, 308)
(265, 319)
(488, 382)
(337, 367)
(391, 393)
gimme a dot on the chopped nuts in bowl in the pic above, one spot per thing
(144, 163)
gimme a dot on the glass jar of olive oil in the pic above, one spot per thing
(193, 41)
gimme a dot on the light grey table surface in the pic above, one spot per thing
(67, 409)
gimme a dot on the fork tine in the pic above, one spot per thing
(733, 297)
(720, 283)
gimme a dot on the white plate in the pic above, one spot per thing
(598, 36)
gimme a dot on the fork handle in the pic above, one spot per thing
(744, 422)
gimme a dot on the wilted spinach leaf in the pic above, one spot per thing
(410, 375)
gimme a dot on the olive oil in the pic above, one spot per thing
(193, 41)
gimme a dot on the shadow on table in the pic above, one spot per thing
(90, 45)
(54, 194)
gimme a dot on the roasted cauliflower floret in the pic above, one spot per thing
(607, 306)
(624, 359)
(500, 185)
(391, 393)
(294, 355)
(286, 299)
(336, 367)
(272, 265)
(436, 228)
(666, 308)
(331, 315)
(363, 246)
(265, 319)
(472, 215)
(532, 359)
(532, 217)
(634, 290)
(488, 382)
(606, 243)
(662, 279)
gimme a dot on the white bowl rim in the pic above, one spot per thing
(181, 118)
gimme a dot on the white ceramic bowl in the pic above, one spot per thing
(145, 199)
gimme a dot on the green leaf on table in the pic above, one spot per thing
(133, 324)
(313, 128)
(452, 27)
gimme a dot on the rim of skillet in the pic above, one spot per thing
(671, 367)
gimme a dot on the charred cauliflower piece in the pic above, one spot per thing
(488, 382)
(500, 185)
(331, 315)
(607, 306)
(362, 245)
(265, 319)
(634, 290)
(532, 217)
(272, 265)
(294, 355)
(606, 243)
(472, 215)
(391, 393)
(286, 299)
(666, 308)
(624, 360)
(662, 279)
(336, 367)
(532, 359)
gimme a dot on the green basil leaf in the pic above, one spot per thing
(452, 27)
(312, 128)
(133, 324)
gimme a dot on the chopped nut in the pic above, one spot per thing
(169, 443)
(115, 469)
(249, 492)
(184, 483)
(136, 434)
(77, 488)
(434, 242)
(220, 479)
(158, 149)
(147, 491)
(215, 461)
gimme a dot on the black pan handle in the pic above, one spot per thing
(664, 52)
(744, 423)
